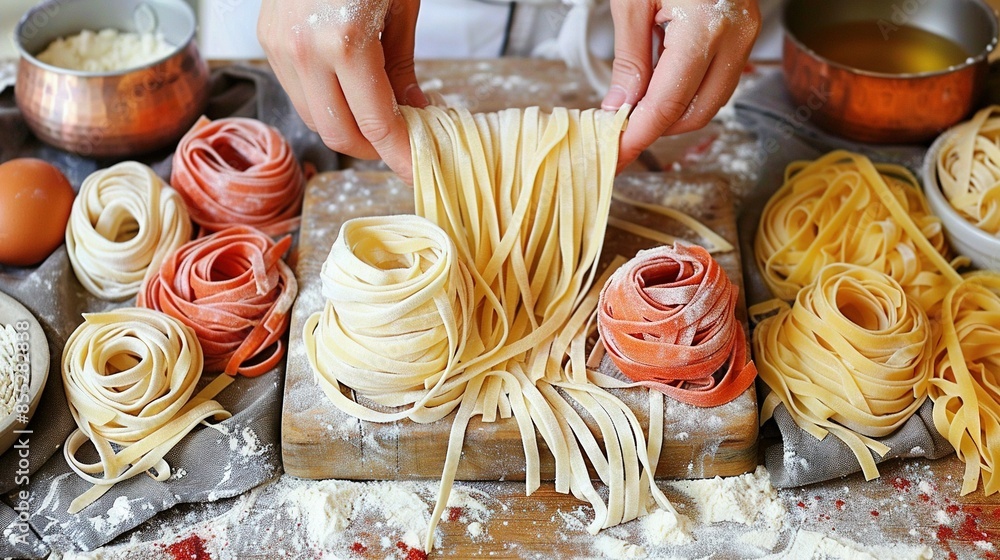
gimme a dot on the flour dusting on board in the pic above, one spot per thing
(295, 518)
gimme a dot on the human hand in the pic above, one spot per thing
(342, 76)
(702, 53)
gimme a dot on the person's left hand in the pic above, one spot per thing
(705, 46)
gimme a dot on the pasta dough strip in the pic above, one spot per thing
(130, 377)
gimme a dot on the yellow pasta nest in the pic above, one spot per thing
(966, 381)
(850, 357)
(841, 208)
(968, 169)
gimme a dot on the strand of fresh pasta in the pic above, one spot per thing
(238, 171)
(850, 357)
(842, 208)
(712, 242)
(130, 378)
(968, 169)
(235, 291)
(523, 196)
(965, 384)
(124, 221)
(667, 320)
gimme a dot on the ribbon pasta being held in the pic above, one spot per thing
(123, 223)
(130, 378)
(494, 285)
(850, 357)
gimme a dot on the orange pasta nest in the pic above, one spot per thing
(234, 290)
(238, 171)
(667, 319)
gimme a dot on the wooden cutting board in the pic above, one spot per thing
(319, 441)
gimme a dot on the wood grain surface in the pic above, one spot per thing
(319, 441)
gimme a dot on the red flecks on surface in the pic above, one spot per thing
(455, 513)
(874, 513)
(924, 498)
(801, 505)
(840, 504)
(415, 554)
(969, 530)
(952, 509)
(359, 548)
(901, 484)
(411, 553)
(191, 548)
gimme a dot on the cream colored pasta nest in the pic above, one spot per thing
(130, 377)
(483, 305)
(124, 222)
(968, 169)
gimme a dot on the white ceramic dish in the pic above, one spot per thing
(13, 313)
(965, 238)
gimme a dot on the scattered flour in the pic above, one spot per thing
(475, 529)
(610, 547)
(326, 509)
(808, 545)
(251, 443)
(765, 539)
(665, 528)
(741, 499)
(118, 513)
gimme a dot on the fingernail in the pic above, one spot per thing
(614, 99)
(413, 97)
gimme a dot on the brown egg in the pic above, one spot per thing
(35, 200)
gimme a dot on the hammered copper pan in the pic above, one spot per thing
(113, 114)
(888, 108)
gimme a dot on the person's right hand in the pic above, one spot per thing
(344, 64)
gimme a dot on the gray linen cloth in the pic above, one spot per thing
(785, 135)
(212, 462)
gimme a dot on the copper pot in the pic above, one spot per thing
(880, 107)
(111, 114)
